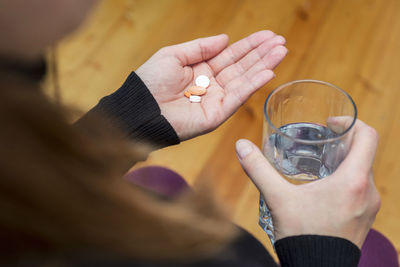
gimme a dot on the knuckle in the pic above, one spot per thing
(359, 187)
(255, 164)
(376, 203)
(254, 161)
(164, 50)
(368, 129)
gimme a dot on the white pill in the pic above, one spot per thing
(202, 81)
(195, 98)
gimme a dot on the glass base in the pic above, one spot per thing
(265, 220)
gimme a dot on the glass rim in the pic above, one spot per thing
(328, 140)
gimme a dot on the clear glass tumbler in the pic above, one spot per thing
(298, 139)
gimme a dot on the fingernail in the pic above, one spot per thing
(243, 148)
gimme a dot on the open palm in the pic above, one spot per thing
(235, 72)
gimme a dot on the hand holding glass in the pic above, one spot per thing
(298, 139)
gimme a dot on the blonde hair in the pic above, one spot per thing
(61, 191)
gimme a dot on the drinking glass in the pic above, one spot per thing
(298, 138)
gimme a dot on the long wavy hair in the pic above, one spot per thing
(62, 193)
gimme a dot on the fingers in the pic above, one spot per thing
(264, 176)
(243, 85)
(238, 90)
(269, 62)
(265, 56)
(236, 51)
(198, 50)
(260, 52)
(363, 148)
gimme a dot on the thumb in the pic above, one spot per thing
(199, 50)
(268, 181)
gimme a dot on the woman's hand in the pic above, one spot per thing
(344, 204)
(235, 72)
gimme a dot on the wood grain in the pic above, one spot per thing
(353, 44)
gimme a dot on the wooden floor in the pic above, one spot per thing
(354, 44)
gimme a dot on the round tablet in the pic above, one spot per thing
(195, 98)
(197, 90)
(202, 81)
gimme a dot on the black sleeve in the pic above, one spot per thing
(134, 109)
(295, 251)
(314, 250)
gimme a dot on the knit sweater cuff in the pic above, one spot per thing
(314, 250)
(133, 108)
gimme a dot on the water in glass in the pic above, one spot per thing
(300, 161)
